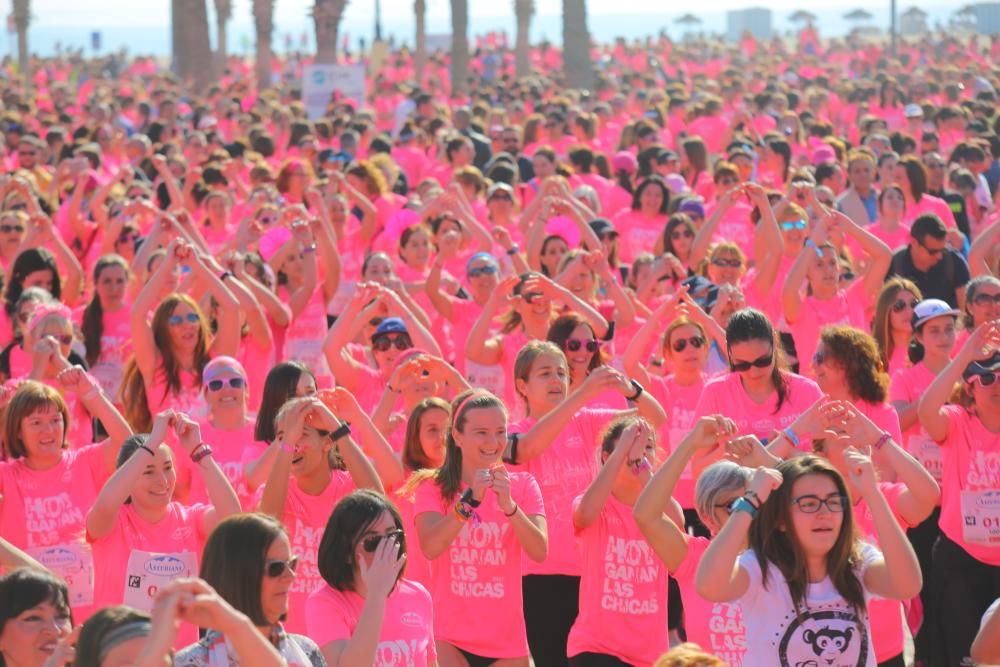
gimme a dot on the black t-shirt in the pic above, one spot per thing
(940, 282)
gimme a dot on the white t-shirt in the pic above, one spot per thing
(994, 609)
(828, 632)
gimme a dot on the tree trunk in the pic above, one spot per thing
(326, 16)
(263, 20)
(459, 48)
(194, 58)
(523, 10)
(420, 46)
(22, 17)
(577, 66)
(223, 12)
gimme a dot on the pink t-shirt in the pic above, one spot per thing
(188, 400)
(305, 519)
(970, 502)
(257, 362)
(680, 402)
(479, 575)
(80, 431)
(406, 638)
(725, 395)
(637, 233)
(909, 384)
(885, 616)
(930, 204)
(736, 226)
(228, 450)
(623, 591)
(116, 347)
(564, 471)
(715, 626)
(304, 339)
(846, 307)
(44, 513)
(137, 558)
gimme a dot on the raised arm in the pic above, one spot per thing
(879, 254)
(703, 239)
(227, 336)
(224, 499)
(388, 471)
(983, 250)
(629, 450)
(768, 243)
(480, 346)
(99, 407)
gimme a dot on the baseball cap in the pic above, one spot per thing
(602, 227)
(982, 366)
(499, 186)
(928, 309)
(913, 111)
(624, 161)
(390, 325)
(692, 206)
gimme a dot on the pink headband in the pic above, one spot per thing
(43, 310)
(476, 393)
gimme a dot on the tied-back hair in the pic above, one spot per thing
(98, 629)
(413, 452)
(449, 475)
(881, 324)
(526, 358)
(279, 387)
(93, 315)
(750, 324)
(564, 326)
(773, 539)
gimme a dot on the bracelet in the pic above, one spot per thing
(144, 447)
(741, 504)
(225, 274)
(309, 248)
(791, 435)
(342, 432)
(514, 249)
(200, 452)
(638, 392)
(884, 438)
(512, 512)
(462, 513)
(470, 500)
(754, 499)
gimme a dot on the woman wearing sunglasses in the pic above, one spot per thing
(367, 613)
(969, 435)
(249, 561)
(12, 228)
(318, 462)
(807, 579)
(817, 273)
(555, 443)
(892, 325)
(573, 335)
(982, 304)
(142, 537)
(678, 239)
(171, 350)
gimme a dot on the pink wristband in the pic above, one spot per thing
(886, 437)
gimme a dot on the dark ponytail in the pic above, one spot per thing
(92, 324)
(749, 324)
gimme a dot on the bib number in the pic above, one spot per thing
(147, 572)
(981, 517)
(74, 564)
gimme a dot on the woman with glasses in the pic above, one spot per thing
(249, 561)
(171, 350)
(982, 304)
(807, 579)
(827, 300)
(678, 239)
(143, 537)
(12, 230)
(366, 613)
(34, 617)
(318, 462)
(892, 325)
(555, 442)
(969, 436)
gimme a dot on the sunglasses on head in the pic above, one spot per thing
(574, 345)
(980, 299)
(7, 229)
(900, 305)
(176, 320)
(487, 270)
(794, 224)
(276, 568)
(727, 263)
(681, 344)
(371, 542)
(760, 362)
(234, 383)
(986, 379)
(685, 234)
(383, 343)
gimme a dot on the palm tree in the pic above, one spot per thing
(223, 12)
(22, 17)
(326, 15)
(192, 49)
(459, 47)
(523, 10)
(420, 41)
(263, 21)
(577, 65)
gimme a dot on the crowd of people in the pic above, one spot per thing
(698, 367)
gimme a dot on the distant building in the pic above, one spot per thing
(755, 19)
(913, 22)
(987, 17)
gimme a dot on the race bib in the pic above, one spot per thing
(74, 564)
(490, 378)
(981, 517)
(147, 572)
(928, 453)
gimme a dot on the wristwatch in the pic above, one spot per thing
(741, 504)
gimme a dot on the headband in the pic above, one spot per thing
(123, 633)
(458, 410)
(43, 310)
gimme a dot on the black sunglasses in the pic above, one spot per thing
(681, 343)
(7, 229)
(760, 362)
(574, 345)
(383, 343)
(276, 568)
(371, 542)
(234, 382)
(900, 305)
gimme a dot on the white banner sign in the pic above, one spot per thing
(320, 81)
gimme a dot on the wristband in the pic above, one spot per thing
(225, 274)
(342, 432)
(309, 248)
(790, 434)
(638, 392)
(884, 438)
(741, 504)
(514, 249)
(754, 499)
(462, 513)
(470, 500)
(200, 452)
(812, 244)
(512, 512)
